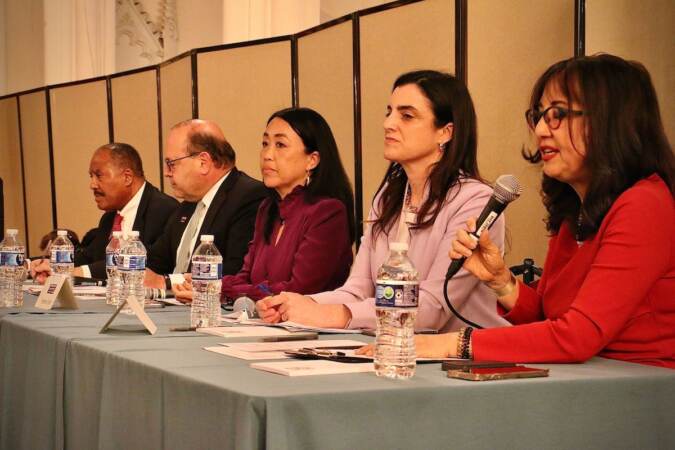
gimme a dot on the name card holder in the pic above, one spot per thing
(56, 291)
(139, 312)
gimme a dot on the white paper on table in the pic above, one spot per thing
(255, 331)
(171, 301)
(288, 325)
(248, 356)
(293, 345)
(300, 367)
(89, 290)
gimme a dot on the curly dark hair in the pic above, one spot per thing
(451, 103)
(625, 140)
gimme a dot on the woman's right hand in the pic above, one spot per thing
(483, 258)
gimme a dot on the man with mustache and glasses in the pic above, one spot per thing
(129, 201)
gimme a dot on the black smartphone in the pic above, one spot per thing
(465, 364)
(497, 373)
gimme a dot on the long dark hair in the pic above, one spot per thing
(451, 103)
(329, 178)
(625, 141)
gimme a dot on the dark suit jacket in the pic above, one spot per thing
(154, 210)
(230, 218)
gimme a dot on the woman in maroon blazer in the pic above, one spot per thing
(304, 231)
(608, 286)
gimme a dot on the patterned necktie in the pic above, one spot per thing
(117, 222)
(185, 249)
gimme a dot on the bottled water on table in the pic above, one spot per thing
(12, 270)
(62, 254)
(131, 267)
(112, 292)
(396, 298)
(207, 270)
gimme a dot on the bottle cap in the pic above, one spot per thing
(206, 238)
(62, 233)
(117, 234)
(134, 233)
(398, 246)
(12, 231)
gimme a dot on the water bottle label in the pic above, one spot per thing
(61, 256)
(207, 271)
(131, 262)
(110, 260)
(11, 259)
(398, 294)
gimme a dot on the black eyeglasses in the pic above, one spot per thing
(552, 115)
(170, 163)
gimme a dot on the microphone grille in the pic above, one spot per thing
(507, 188)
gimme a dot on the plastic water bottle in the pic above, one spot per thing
(12, 270)
(62, 254)
(131, 267)
(396, 298)
(112, 292)
(207, 270)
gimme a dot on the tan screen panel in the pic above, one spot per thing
(10, 168)
(176, 96)
(641, 31)
(239, 88)
(326, 84)
(36, 168)
(416, 36)
(79, 126)
(135, 120)
(503, 63)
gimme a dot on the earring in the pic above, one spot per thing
(308, 179)
(441, 147)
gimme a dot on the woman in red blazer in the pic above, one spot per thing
(608, 286)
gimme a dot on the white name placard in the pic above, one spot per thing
(56, 291)
(139, 312)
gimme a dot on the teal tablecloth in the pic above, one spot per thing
(63, 385)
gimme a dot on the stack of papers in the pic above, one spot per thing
(242, 318)
(252, 351)
(299, 367)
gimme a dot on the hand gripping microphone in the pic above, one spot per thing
(506, 190)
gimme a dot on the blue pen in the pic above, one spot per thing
(266, 290)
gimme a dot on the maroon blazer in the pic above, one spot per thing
(313, 254)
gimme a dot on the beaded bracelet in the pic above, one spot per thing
(464, 343)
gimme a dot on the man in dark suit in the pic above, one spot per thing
(218, 200)
(131, 203)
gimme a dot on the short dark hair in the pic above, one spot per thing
(220, 150)
(328, 178)
(125, 156)
(625, 140)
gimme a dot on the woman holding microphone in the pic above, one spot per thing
(608, 286)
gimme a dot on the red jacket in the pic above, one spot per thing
(614, 296)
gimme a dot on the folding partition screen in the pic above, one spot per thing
(10, 166)
(175, 96)
(135, 117)
(37, 168)
(344, 69)
(504, 60)
(327, 86)
(415, 36)
(239, 87)
(644, 32)
(79, 123)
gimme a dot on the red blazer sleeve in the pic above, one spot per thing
(630, 258)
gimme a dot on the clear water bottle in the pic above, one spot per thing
(131, 267)
(62, 254)
(207, 270)
(396, 298)
(112, 292)
(12, 270)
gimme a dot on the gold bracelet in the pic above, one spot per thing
(460, 341)
(508, 288)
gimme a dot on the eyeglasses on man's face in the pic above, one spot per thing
(552, 115)
(171, 163)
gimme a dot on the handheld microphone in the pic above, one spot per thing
(506, 190)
